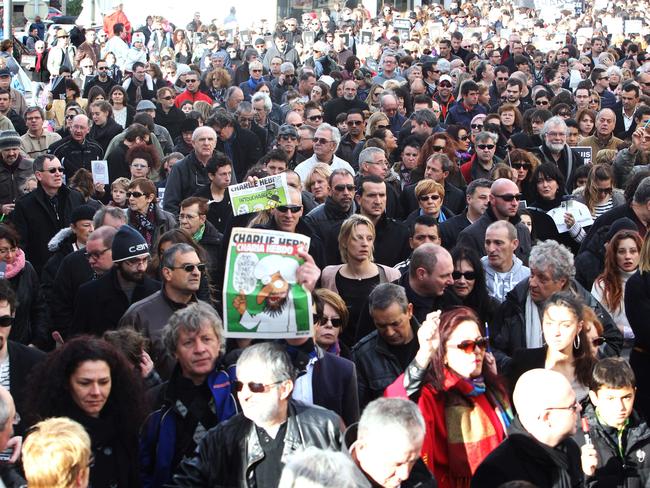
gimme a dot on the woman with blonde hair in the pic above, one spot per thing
(378, 120)
(317, 182)
(373, 97)
(356, 278)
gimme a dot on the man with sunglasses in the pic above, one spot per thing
(101, 79)
(547, 414)
(192, 92)
(337, 207)
(40, 214)
(483, 160)
(503, 205)
(444, 95)
(182, 273)
(326, 141)
(288, 140)
(100, 304)
(356, 124)
(283, 83)
(248, 449)
(498, 86)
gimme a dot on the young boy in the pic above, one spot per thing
(619, 454)
(118, 192)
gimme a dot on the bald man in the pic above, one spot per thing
(503, 205)
(77, 150)
(604, 137)
(539, 448)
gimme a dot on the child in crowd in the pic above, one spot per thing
(118, 193)
(618, 450)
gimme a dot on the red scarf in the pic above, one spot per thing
(39, 58)
(461, 430)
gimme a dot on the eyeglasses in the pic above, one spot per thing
(139, 166)
(469, 346)
(254, 387)
(95, 254)
(598, 341)
(134, 194)
(604, 191)
(509, 197)
(56, 169)
(188, 268)
(322, 320)
(521, 165)
(185, 216)
(438, 148)
(315, 117)
(289, 208)
(7, 250)
(476, 126)
(8, 321)
(426, 198)
(468, 275)
(486, 146)
(573, 407)
(321, 140)
(340, 188)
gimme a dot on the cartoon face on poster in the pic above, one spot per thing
(262, 298)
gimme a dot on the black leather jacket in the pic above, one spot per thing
(227, 455)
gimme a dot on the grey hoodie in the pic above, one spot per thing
(499, 284)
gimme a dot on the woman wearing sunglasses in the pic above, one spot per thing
(355, 279)
(144, 214)
(566, 350)
(599, 194)
(454, 382)
(461, 138)
(469, 284)
(621, 262)
(525, 164)
(330, 319)
(430, 196)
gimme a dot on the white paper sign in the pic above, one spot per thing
(100, 171)
(579, 211)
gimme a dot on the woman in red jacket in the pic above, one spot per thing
(463, 402)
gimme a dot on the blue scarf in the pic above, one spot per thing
(253, 83)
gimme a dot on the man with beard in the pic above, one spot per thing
(343, 104)
(556, 151)
(277, 273)
(100, 304)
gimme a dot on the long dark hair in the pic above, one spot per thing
(479, 299)
(48, 391)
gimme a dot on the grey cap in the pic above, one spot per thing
(145, 105)
(288, 130)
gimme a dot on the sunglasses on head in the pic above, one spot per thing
(468, 275)
(319, 319)
(486, 146)
(6, 321)
(134, 194)
(188, 268)
(426, 198)
(509, 197)
(254, 387)
(289, 208)
(470, 346)
(521, 165)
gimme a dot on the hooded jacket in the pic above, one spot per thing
(499, 284)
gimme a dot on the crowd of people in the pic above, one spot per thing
(475, 185)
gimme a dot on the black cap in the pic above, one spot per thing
(621, 224)
(82, 212)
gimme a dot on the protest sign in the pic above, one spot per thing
(265, 194)
(579, 211)
(366, 37)
(261, 298)
(100, 171)
(586, 152)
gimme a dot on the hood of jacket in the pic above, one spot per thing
(64, 236)
(515, 275)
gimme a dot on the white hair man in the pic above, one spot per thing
(326, 142)
(555, 150)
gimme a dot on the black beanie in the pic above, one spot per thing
(128, 243)
(82, 212)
